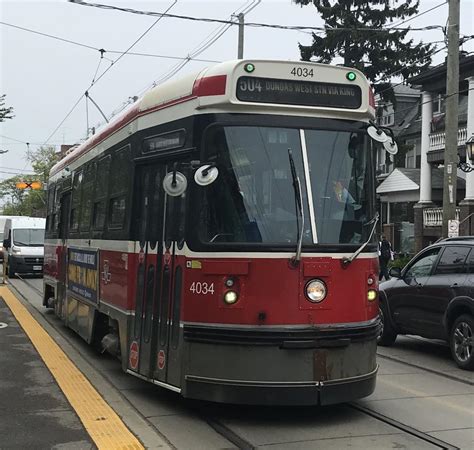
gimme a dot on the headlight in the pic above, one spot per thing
(371, 295)
(316, 291)
(230, 297)
(16, 250)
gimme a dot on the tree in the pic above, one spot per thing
(25, 202)
(6, 112)
(378, 54)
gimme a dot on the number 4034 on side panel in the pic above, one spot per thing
(198, 287)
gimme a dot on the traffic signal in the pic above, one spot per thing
(35, 185)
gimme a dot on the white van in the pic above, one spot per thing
(3, 219)
(23, 245)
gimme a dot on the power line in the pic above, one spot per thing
(134, 43)
(420, 14)
(200, 48)
(95, 80)
(16, 169)
(151, 55)
(69, 41)
(386, 77)
(250, 24)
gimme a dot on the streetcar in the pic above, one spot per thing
(218, 236)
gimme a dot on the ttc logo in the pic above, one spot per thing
(106, 275)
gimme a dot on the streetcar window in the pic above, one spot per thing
(87, 193)
(76, 201)
(340, 182)
(119, 176)
(98, 215)
(100, 193)
(120, 171)
(253, 199)
(117, 208)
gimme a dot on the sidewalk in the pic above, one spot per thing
(46, 401)
(34, 413)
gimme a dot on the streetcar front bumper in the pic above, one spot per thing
(267, 393)
(288, 366)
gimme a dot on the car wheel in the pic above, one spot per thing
(462, 342)
(387, 335)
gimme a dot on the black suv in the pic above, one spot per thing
(433, 297)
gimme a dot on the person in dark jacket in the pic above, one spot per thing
(385, 255)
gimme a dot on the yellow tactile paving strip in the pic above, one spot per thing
(104, 426)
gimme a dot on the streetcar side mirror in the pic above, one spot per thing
(6, 243)
(206, 174)
(175, 183)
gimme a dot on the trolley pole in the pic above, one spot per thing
(452, 107)
(240, 49)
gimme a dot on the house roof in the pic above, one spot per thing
(433, 74)
(402, 180)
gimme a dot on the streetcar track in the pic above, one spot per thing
(403, 427)
(229, 434)
(427, 369)
(31, 285)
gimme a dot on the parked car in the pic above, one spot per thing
(433, 297)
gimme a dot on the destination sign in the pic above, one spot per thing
(165, 141)
(298, 92)
(82, 273)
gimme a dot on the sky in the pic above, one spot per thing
(44, 78)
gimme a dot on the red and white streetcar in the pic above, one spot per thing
(218, 236)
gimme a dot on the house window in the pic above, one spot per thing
(438, 104)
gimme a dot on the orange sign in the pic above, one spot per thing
(29, 185)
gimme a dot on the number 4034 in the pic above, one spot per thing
(202, 288)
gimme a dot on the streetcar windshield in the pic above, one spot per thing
(28, 237)
(253, 198)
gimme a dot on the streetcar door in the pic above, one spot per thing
(65, 202)
(168, 368)
(148, 224)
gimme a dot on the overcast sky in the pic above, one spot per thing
(43, 78)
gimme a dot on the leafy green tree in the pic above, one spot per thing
(6, 112)
(27, 202)
(378, 54)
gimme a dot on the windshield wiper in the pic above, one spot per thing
(295, 260)
(347, 261)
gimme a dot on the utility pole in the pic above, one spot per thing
(240, 17)
(240, 50)
(451, 127)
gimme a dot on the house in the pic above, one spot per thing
(420, 132)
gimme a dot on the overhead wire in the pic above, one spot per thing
(209, 40)
(415, 16)
(97, 49)
(96, 80)
(247, 24)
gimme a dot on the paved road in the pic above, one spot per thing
(422, 401)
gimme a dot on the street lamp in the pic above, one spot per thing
(467, 165)
(3, 151)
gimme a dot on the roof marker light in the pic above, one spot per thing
(249, 68)
(351, 76)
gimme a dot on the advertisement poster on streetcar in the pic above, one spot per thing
(82, 273)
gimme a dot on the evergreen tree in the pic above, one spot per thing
(378, 54)
(6, 112)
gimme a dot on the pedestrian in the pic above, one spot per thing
(385, 255)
